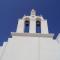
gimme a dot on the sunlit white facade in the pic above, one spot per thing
(29, 44)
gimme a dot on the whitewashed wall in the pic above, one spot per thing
(49, 49)
(32, 48)
(2, 49)
(22, 48)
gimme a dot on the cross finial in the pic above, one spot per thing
(33, 12)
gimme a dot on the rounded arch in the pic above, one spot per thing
(38, 26)
(26, 26)
(38, 19)
(27, 18)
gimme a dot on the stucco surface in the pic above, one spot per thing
(31, 48)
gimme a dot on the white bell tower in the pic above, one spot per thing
(31, 41)
(32, 23)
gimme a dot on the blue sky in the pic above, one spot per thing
(12, 10)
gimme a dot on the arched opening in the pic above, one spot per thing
(38, 27)
(26, 28)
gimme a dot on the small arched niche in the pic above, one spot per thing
(38, 26)
(26, 26)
